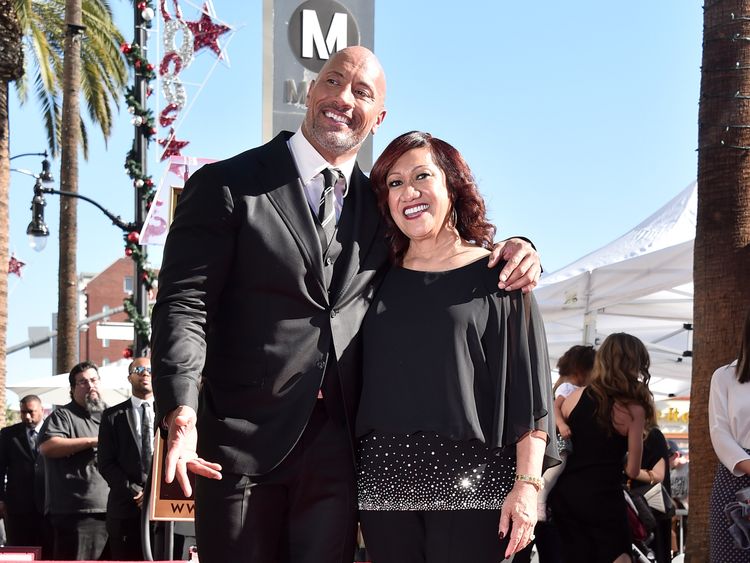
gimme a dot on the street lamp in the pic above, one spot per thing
(37, 230)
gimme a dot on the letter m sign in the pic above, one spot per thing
(312, 35)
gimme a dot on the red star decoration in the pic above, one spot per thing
(14, 266)
(172, 146)
(206, 33)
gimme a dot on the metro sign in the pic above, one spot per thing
(299, 36)
(319, 28)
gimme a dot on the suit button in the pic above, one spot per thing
(320, 364)
(333, 313)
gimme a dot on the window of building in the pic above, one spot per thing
(128, 284)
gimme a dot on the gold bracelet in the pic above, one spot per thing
(538, 482)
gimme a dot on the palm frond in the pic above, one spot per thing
(84, 140)
(104, 73)
(50, 115)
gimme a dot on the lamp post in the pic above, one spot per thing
(38, 231)
(44, 179)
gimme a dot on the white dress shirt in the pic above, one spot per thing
(310, 163)
(136, 403)
(729, 417)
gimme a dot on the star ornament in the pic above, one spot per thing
(15, 265)
(172, 146)
(206, 33)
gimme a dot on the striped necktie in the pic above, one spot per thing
(327, 208)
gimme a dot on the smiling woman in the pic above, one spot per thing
(457, 478)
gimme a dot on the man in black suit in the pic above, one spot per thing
(270, 264)
(125, 452)
(22, 480)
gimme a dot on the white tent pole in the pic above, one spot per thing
(589, 317)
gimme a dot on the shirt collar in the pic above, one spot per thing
(310, 162)
(137, 402)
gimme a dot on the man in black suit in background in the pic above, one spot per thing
(273, 257)
(125, 452)
(22, 480)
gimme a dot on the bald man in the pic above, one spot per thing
(271, 262)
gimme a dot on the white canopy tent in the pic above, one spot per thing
(55, 389)
(640, 283)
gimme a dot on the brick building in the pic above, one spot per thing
(99, 293)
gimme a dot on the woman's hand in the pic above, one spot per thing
(519, 516)
(564, 430)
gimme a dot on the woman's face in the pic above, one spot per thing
(417, 195)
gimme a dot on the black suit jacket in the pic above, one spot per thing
(23, 493)
(119, 459)
(242, 301)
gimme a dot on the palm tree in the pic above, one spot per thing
(101, 78)
(11, 68)
(104, 72)
(722, 241)
(67, 288)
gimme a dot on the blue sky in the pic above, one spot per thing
(579, 119)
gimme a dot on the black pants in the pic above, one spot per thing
(304, 511)
(433, 536)
(79, 537)
(125, 538)
(32, 529)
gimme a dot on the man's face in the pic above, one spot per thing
(31, 413)
(140, 378)
(86, 389)
(345, 104)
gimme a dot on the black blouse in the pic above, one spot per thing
(450, 353)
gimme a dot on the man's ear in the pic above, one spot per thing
(378, 121)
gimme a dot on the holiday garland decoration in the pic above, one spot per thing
(193, 36)
(143, 118)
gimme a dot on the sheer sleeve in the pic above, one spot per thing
(524, 395)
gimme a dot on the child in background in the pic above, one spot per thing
(574, 367)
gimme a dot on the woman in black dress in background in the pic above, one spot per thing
(607, 421)
(456, 408)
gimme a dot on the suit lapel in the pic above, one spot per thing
(23, 442)
(132, 422)
(360, 233)
(287, 195)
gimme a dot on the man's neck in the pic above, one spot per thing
(332, 158)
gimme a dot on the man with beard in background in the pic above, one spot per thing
(76, 497)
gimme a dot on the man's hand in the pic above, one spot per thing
(181, 455)
(523, 266)
(139, 499)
